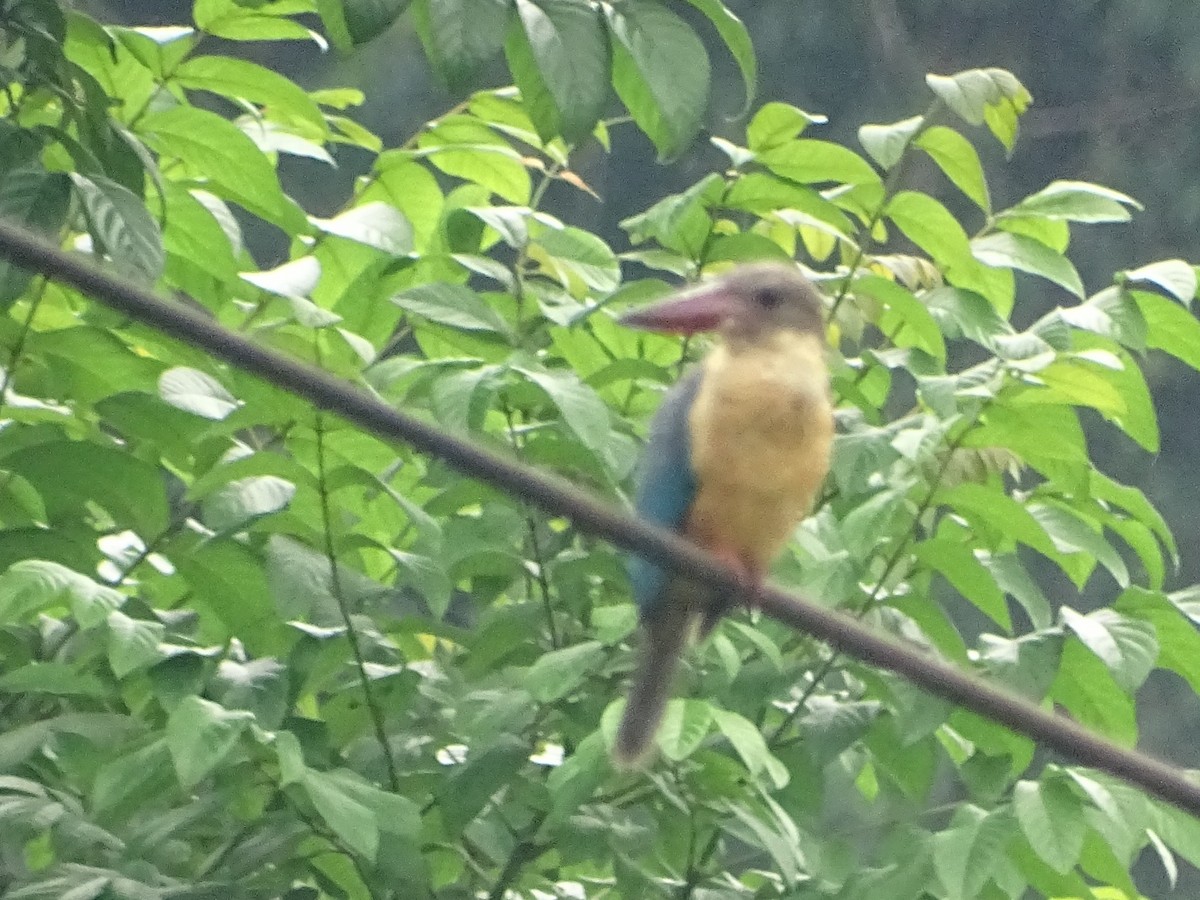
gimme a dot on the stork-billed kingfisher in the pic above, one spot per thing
(736, 453)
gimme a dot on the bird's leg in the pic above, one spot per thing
(753, 575)
(750, 577)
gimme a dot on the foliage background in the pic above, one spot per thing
(196, 699)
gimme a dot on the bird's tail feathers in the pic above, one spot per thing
(664, 636)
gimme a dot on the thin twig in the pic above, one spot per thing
(335, 584)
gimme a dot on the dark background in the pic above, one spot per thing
(1116, 86)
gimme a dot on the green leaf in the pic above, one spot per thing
(294, 278)
(829, 726)
(966, 854)
(573, 255)
(967, 314)
(159, 48)
(364, 20)
(132, 779)
(1015, 581)
(1170, 328)
(200, 734)
(229, 586)
(906, 320)
(958, 563)
(685, 724)
(354, 823)
(239, 20)
(451, 304)
(1027, 664)
(737, 39)
(1069, 381)
(1174, 276)
(133, 643)
(258, 686)
(68, 473)
(931, 227)
(992, 510)
(679, 221)
(466, 148)
(411, 188)
(769, 827)
(55, 678)
(1075, 201)
(660, 72)
(35, 199)
(560, 59)
(194, 237)
(887, 143)
(218, 151)
(1178, 640)
(462, 399)
(1127, 646)
(196, 392)
(1138, 418)
(559, 672)
(575, 782)
(1051, 817)
(121, 226)
(957, 159)
(239, 79)
(1074, 533)
(778, 123)
(237, 504)
(1044, 436)
(1016, 251)
(750, 746)
(581, 407)
(36, 585)
(470, 785)
(993, 96)
(815, 162)
(460, 36)
(375, 224)
(1086, 688)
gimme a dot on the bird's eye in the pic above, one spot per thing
(768, 298)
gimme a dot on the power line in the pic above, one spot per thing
(556, 496)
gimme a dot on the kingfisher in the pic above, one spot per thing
(736, 453)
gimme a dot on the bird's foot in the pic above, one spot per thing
(749, 574)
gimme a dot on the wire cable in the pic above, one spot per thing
(556, 496)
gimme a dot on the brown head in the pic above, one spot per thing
(748, 303)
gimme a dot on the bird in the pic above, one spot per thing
(735, 455)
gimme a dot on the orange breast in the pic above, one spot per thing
(761, 428)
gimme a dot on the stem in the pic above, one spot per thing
(526, 851)
(535, 546)
(18, 349)
(335, 583)
(890, 186)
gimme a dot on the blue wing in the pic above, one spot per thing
(666, 484)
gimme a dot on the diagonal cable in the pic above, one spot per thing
(557, 496)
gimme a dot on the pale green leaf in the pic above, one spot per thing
(887, 143)
(196, 392)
